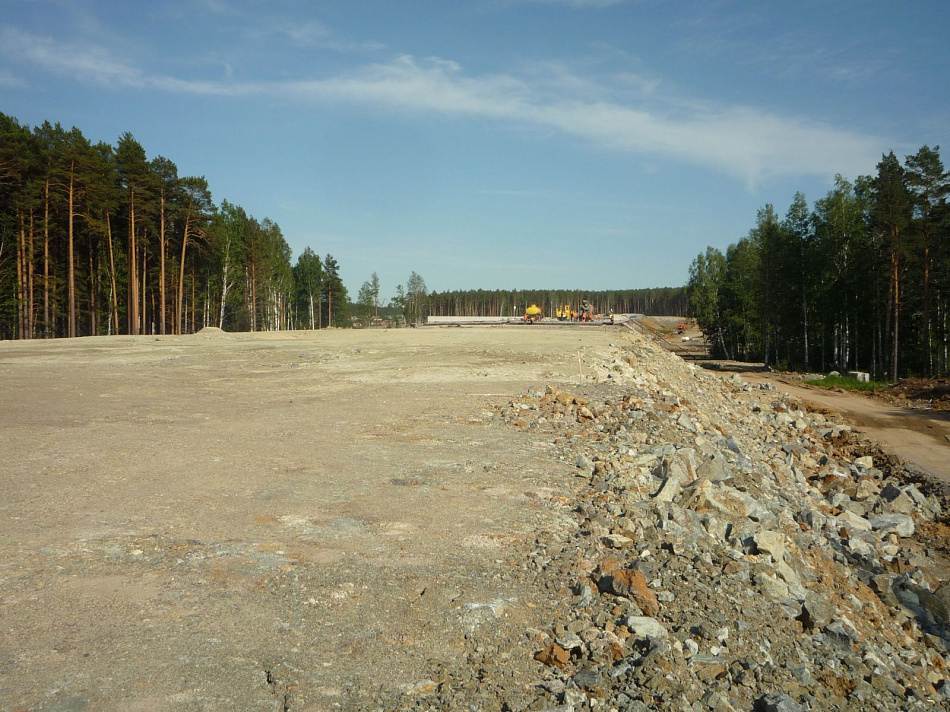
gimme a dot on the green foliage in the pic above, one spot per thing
(228, 251)
(112, 241)
(335, 295)
(861, 282)
(374, 292)
(366, 303)
(398, 302)
(847, 384)
(706, 279)
(309, 281)
(417, 301)
(499, 302)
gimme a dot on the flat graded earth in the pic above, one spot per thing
(268, 521)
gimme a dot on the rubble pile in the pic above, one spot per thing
(725, 549)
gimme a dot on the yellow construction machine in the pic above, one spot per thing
(533, 314)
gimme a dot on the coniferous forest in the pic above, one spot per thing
(859, 281)
(659, 301)
(100, 239)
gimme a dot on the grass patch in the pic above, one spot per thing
(848, 384)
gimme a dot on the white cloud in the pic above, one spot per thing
(218, 7)
(8, 79)
(85, 62)
(95, 65)
(741, 141)
(574, 3)
(430, 85)
(311, 33)
(746, 142)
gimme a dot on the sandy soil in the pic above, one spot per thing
(237, 521)
(291, 521)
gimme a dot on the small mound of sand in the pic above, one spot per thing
(212, 331)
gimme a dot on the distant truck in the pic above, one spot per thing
(533, 314)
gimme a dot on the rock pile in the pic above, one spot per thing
(726, 550)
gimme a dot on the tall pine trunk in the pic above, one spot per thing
(133, 269)
(47, 331)
(181, 276)
(161, 242)
(253, 297)
(30, 277)
(928, 346)
(895, 295)
(113, 291)
(21, 279)
(71, 269)
(93, 325)
(144, 282)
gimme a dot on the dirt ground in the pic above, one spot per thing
(272, 521)
(911, 419)
(291, 521)
(932, 393)
(920, 435)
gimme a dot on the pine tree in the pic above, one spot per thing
(929, 186)
(309, 283)
(891, 214)
(194, 212)
(335, 293)
(417, 303)
(134, 177)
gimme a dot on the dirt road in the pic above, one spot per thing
(277, 521)
(921, 437)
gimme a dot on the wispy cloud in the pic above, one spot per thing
(522, 194)
(746, 142)
(222, 8)
(743, 141)
(94, 64)
(572, 3)
(311, 33)
(8, 79)
(747, 35)
(88, 62)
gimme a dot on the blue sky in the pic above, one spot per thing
(589, 144)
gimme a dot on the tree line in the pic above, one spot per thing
(859, 281)
(409, 305)
(99, 239)
(670, 301)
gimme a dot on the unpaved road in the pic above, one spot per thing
(919, 436)
(273, 521)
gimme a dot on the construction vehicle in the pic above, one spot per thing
(587, 311)
(533, 314)
(563, 313)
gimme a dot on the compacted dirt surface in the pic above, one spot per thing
(913, 429)
(510, 518)
(271, 521)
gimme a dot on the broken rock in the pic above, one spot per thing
(900, 524)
